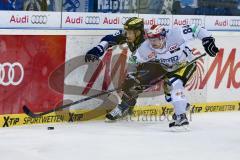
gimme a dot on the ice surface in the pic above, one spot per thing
(213, 136)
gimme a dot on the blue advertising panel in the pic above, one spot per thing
(11, 4)
(115, 6)
(78, 5)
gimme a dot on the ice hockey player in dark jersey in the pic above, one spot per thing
(133, 35)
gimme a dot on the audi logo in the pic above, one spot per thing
(8, 74)
(234, 23)
(163, 21)
(39, 19)
(124, 19)
(196, 21)
(92, 20)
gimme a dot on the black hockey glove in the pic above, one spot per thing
(209, 46)
(94, 54)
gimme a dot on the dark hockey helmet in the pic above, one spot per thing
(134, 23)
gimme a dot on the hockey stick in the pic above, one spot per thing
(27, 111)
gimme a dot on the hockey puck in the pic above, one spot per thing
(50, 128)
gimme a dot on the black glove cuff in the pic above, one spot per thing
(100, 49)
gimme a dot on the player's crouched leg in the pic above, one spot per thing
(122, 109)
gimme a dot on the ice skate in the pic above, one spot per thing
(179, 123)
(116, 114)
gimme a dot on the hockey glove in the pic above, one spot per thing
(209, 46)
(94, 54)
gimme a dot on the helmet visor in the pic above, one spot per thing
(153, 36)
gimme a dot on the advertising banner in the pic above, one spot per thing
(26, 63)
(179, 20)
(108, 21)
(223, 23)
(28, 19)
(164, 20)
(72, 20)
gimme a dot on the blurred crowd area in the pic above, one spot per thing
(182, 7)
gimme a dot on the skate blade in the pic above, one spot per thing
(184, 128)
(110, 121)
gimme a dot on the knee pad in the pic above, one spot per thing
(174, 90)
(177, 92)
(178, 95)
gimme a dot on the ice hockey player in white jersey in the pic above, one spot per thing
(171, 50)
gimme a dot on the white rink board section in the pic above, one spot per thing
(213, 136)
(211, 91)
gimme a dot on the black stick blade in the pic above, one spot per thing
(28, 112)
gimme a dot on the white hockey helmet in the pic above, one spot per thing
(156, 31)
(157, 36)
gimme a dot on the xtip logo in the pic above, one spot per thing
(8, 121)
(75, 117)
(196, 109)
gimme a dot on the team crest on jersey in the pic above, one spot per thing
(151, 55)
(174, 48)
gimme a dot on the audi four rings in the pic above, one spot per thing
(197, 21)
(8, 74)
(39, 19)
(164, 21)
(234, 23)
(92, 20)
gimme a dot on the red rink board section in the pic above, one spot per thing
(26, 63)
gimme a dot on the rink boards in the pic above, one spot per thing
(44, 69)
(140, 114)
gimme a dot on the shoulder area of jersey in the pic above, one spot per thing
(145, 45)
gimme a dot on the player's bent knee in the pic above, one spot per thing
(178, 95)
